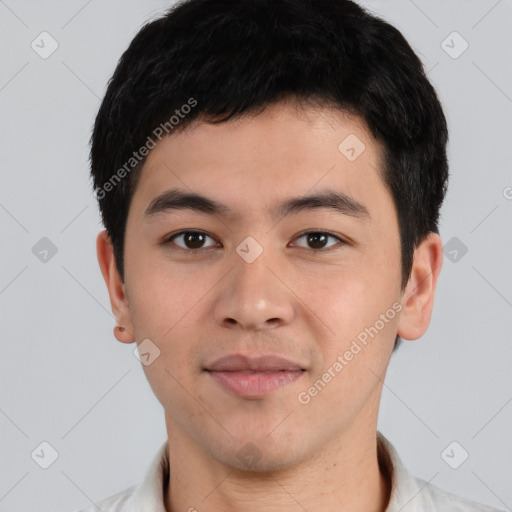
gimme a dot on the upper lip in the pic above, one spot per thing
(239, 362)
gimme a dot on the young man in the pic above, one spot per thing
(270, 174)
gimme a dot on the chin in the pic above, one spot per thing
(265, 464)
(261, 455)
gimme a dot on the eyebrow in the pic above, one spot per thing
(176, 199)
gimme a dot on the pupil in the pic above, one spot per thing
(193, 240)
(315, 237)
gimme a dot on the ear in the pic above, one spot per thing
(115, 286)
(418, 297)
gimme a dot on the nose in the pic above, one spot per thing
(254, 296)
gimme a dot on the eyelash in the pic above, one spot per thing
(180, 233)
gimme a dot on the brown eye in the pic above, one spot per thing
(317, 240)
(192, 240)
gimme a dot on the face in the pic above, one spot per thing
(317, 283)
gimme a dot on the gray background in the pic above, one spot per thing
(67, 381)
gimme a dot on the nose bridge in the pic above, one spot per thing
(253, 296)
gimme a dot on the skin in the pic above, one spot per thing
(296, 300)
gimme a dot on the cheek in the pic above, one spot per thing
(358, 303)
(161, 297)
(164, 315)
(362, 330)
(165, 309)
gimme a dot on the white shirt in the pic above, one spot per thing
(408, 493)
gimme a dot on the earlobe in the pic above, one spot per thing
(118, 303)
(418, 297)
(122, 335)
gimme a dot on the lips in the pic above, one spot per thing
(254, 377)
(241, 363)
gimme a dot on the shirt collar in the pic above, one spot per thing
(150, 493)
(406, 489)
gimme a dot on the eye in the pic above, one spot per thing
(319, 239)
(192, 240)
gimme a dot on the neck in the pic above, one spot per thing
(346, 476)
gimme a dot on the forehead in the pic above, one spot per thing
(286, 150)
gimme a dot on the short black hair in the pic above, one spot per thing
(215, 60)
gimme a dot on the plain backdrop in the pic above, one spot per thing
(67, 382)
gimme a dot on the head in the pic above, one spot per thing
(250, 103)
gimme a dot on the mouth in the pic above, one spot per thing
(253, 377)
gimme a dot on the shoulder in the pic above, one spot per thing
(443, 501)
(412, 494)
(115, 503)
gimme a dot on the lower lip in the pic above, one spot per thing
(256, 384)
